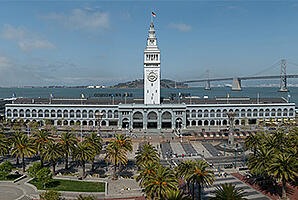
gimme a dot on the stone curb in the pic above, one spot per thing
(15, 180)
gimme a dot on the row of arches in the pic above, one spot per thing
(61, 113)
(240, 113)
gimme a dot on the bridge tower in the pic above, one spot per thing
(207, 86)
(283, 76)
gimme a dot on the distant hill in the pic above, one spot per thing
(139, 83)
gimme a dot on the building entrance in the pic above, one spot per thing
(152, 125)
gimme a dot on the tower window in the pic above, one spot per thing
(155, 91)
(151, 84)
(147, 91)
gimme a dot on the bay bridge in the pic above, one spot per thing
(236, 81)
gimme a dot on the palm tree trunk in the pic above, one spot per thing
(41, 161)
(18, 161)
(115, 168)
(23, 163)
(83, 163)
(188, 187)
(284, 193)
(66, 160)
(193, 191)
(199, 191)
(53, 165)
(92, 166)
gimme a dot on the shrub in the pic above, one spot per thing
(50, 195)
(81, 197)
(5, 169)
(44, 176)
(34, 169)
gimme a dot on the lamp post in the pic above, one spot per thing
(98, 116)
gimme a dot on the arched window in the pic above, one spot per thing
(267, 112)
(65, 113)
(206, 113)
(40, 113)
(71, 114)
(212, 113)
(255, 112)
(91, 114)
(34, 113)
(199, 113)
(116, 114)
(84, 114)
(248, 113)
(237, 113)
(273, 112)
(78, 114)
(193, 123)
(104, 114)
(137, 116)
(285, 113)
(166, 116)
(224, 113)
(212, 122)
(291, 112)
(21, 113)
(15, 113)
(59, 113)
(47, 113)
(152, 116)
(218, 113)
(53, 114)
(110, 114)
(27, 113)
(242, 112)
(279, 112)
(187, 113)
(261, 112)
(193, 114)
(8, 113)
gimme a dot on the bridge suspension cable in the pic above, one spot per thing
(274, 66)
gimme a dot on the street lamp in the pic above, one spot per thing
(98, 116)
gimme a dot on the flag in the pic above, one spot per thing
(153, 14)
(83, 96)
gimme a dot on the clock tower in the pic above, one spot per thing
(151, 69)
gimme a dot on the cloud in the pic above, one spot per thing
(180, 27)
(82, 19)
(5, 62)
(25, 39)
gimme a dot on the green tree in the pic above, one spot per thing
(253, 141)
(145, 154)
(146, 170)
(4, 145)
(95, 143)
(260, 160)
(83, 153)
(32, 170)
(40, 138)
(184, 170)
(5, 169)
(123, 142)
(284, 169)
(13, 141)
(68, 141)
(176, 195)
(228, 192)
(44, 176)
(201, 176)
(52, 152)
(50, 195)
(116, 156)
(22, 147)
(159, 183)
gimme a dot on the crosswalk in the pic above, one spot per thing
(251, 193)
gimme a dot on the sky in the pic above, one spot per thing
(102, 42)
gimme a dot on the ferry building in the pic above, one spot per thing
(150, 112)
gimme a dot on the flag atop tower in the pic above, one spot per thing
(153, 14)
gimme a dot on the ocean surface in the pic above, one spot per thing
(252, 92)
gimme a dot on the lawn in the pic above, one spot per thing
(10, 177)
(69, 185)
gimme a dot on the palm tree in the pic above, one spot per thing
(284, 168)
(13, 141)
(95, 142)
(145, 154)
(4, 146)
(52, 152)
(116, 155)
(175, 195)
(123, 142)
(68, 141)
(253, 141)
(259, 161)
(184, 170)
(228, 192)
(40, 138)
(159, 183)
(147, 170)
(201, 176)
(22, 147)
(83, 153)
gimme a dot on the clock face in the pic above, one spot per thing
(152, 76)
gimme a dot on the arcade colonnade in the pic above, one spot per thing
(140, 116)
